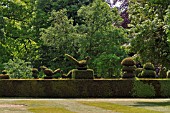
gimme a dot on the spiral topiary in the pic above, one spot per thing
(128, 67)
(149, 71)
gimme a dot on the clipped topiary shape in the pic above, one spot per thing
(149, 66)
(163, 72)
(4, 75)
(148, 74)
(35, 72)
(128, 75)
(128, 62)
(138, 72)
(82, 74)
(149, 71)
(4, 72)
(168, 74)
(128, 68)
(81, 64)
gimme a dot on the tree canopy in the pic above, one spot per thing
(42, 31)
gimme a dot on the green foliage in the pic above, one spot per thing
(148, 74)
(18, 69)
(129, 68)
(149, 71)
(149, 39)
(141, 89)
(138, 72)
(167, 25)
(106, 61)
(103, 38)
(165, 88)
(149, 66)
(59, 38)
(128, 62)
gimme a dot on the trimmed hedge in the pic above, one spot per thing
(98, 88)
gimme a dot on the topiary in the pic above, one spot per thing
(35, 72)
(128, 62)
(138, 72)
(149, 71)
(148, 74)
(4, 75)
(128, 67)
(149, 66)
(168, 74)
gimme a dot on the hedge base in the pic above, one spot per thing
(82, 74)
(97, 88)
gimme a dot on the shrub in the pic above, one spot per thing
(141, 89)
(149, 66)
(18, 69)
(128, 62)
(148, 74)
(149, 71)
(168, 74)
(35, 72)
(128, 75)
(138, 72)
(129, 68)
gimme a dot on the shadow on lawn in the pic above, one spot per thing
(138, 104)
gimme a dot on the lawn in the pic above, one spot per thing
(81, 106)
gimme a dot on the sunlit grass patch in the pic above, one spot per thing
(49, 110)
(118, 108)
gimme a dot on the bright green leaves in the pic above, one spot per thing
(104, 39)
(18, 69)
(148, 37)
(61, 33)
(167, 25)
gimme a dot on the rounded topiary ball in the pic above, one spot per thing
(148, 74)
(128, 62)
(149, 66)
(128, 75)
(128, 68)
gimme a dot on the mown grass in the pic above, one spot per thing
(162, 104)
(49, 110)
(38, 106)
(118, 108)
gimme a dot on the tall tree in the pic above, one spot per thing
(60, 37)
(16, 29)
(148, 37)
(104, 36)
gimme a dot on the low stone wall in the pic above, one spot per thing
(98, 88)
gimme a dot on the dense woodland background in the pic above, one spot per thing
(40, 32)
